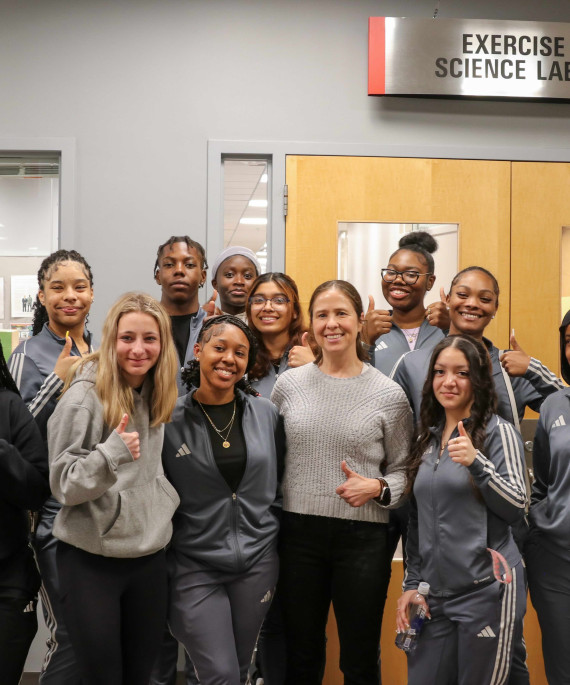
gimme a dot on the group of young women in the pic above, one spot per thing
(270, 481)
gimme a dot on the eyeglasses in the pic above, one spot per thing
(409, 277)
(277, 301)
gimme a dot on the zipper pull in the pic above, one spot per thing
(234, 496)
(436, 464)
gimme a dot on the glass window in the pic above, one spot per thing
(246, 201)
(29, 230)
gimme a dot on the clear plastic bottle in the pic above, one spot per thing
(408, 640)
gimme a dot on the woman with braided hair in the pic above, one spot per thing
(222, 453)
(39, 366)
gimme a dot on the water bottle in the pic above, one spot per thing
(408, 640)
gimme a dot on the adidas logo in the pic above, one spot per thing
(381, 346)
(183, 450)
(31, 607)
(267, 597)
(486, 632)
(559, 422)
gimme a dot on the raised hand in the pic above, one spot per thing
(65, 359)
(437, 314)
(301, 354)
(356, 489)
(377, 322)
(131, 440)
(210, 306)
(515, 361)
(461, 449)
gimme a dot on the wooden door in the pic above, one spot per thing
(476, 195)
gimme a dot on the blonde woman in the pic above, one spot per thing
(105, 440)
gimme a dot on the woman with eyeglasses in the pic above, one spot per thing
(275, 317)
(276, 320)
(409, 325)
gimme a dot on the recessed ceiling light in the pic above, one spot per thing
(263, 178)
(253, 222)
(32, 248)
(257, 203)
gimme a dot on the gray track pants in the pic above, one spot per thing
(469, 639)
(217, 616)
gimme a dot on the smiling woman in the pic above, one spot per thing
(105, 439)
(222, 452)
(345, 423)
(465, 474)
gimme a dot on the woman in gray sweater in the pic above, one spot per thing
(105, 440)
(348, 433)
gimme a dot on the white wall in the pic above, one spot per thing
(142, 85)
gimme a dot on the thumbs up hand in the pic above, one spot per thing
(301, 354)
(356, 489)
(210, 306)
(515, 361)
(377, 322)
(131, 440)
(437, 314)
(65, 360)
(461, 449)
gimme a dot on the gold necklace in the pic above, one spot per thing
(219, 431)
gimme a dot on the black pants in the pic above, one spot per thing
(18, 625)
(115, 610)
(323, 560)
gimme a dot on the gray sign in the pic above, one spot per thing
(468, 57)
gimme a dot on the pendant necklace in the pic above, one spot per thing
(225, 442)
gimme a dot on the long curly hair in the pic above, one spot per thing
(296, 328)
(213, 326)
(433, 414)
(47, 267)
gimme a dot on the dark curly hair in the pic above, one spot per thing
(433, 414)
(213, 326)
(422, 243)
(189, 243)
(46, 269)
(349, 291)
(296, 328)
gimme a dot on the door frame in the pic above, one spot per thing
(277, 152)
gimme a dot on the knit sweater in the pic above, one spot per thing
(364, 420)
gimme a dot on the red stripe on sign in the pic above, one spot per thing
(376, 56)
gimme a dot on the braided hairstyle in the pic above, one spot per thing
(189, 244)
(213, 326)
(433, 414)
(47, 267)
(6, 380)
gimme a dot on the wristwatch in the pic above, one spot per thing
(385, 496)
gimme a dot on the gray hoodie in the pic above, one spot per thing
(112, 505)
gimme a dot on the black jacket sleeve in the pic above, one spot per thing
(23, 456)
